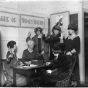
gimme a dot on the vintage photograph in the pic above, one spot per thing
(43, 43)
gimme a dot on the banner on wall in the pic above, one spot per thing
(8, 19)
(59, 20)
(18, 20)
(32, 21)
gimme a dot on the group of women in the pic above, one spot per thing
(41, 47)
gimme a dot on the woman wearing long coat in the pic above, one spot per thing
(40, 46)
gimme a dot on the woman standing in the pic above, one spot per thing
(53, 39)
(40, 47)
(72, 46)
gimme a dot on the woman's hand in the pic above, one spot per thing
(69, 53)
(10, 56)
(42, 52)
(73, 51)
(21, 63)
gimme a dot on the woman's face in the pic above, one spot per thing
(56, 32)
(13, 49)
(30, 44)
(70, 31)
(38, 32)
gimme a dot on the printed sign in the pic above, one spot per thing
(9, 19)
(31, 21)
(17, 20)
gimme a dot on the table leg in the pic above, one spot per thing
(14, 77)
(28, 80)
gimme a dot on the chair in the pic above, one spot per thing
(66, 82)
(65, 76)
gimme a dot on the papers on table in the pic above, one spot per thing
(22, 66)
(48, 63)
(33, 65)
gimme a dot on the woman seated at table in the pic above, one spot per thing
(72, 47)
(11, 59)
(29, 54)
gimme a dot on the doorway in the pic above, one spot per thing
(86, 43)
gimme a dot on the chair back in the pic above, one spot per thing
(66, 82)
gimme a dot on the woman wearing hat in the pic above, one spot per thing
(11, 60)
(72, 46)
(53, 39)
(40, 47)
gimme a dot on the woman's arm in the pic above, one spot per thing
(9, 56)
(55, 39)
(24, 56)
(46, 39)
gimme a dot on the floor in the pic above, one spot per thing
(86, 78)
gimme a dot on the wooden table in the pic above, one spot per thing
(28, 72)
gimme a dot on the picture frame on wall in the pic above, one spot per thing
(61, 19)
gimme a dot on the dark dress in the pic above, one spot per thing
(28, 56)
(74, 44)
(51, 41)
(40, 46)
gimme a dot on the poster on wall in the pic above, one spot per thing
(32, 21)
(9, 19)
(23, 21)
(59, 20)
(62, 20)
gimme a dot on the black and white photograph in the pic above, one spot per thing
(43, 43)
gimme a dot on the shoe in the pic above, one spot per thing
(73, 83)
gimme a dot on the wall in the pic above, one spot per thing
(44, 6)
(16, 33)
(85, 4)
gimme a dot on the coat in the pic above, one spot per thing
(44, 47)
